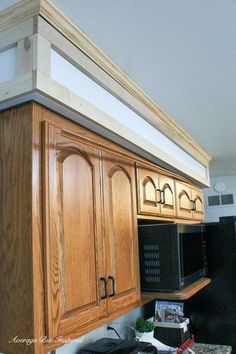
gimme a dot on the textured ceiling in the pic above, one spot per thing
(182, 53)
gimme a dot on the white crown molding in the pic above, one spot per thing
(27, 9)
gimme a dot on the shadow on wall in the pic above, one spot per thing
(120, 324)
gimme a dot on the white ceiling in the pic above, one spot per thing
(182, 53)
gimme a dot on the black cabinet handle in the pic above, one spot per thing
(159, 190)
(104, 280)
(163, 199)
(113, 285)
(194, 205)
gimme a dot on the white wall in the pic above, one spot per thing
(118, 324)
(213, 213)
(69, 76)
(8, 64)
(6, 3)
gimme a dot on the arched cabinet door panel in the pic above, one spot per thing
(73, 233)
(167, 188)
(184, 204)
(198, 204)
(149, 196)
(120, 231)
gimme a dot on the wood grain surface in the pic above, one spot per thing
(68, 217)
(16, 275)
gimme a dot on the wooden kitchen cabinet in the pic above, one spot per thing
(68, 244)
(120, 231)
(167, 188)
(189, 201)
(156, 193)
(149, 194)
(75, 269)
(89, 275)
(184, 203)
(198, 201)
(68, 231)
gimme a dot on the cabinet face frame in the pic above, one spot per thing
(63, 316)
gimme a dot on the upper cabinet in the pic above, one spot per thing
(75, 266)
(167, 189)
(198, 204)
(149, 194)
(70, 198)
(189, 201)
(91, 232)
(164, 196)
(120, 231)
(156, 194)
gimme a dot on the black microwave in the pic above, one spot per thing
(172, 256)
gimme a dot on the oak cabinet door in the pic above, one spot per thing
(167, 188)
(198, 204)
(149, 194)
(120, 231)
(74, 244)
(184, 203)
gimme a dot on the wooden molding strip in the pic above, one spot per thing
(20, 12)
(162, 121)
(183, 294)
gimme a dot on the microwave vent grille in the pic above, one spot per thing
(152, 279)
(151, 263)
(151, 255)
(152, 271)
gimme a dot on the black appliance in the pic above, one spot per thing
(118, 346)
(172, 256)
(212, 311)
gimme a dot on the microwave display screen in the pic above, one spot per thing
(192, 255)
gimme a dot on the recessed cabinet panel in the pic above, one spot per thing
(120, 231)
(168, 196)
(149, 196)
(78, 244)
(122, 228)
(197, 197)
(183, 201)
(74, 243)
(149, 192)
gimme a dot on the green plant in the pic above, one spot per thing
(144, 325)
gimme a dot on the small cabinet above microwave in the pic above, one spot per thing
(165, 196)
(156, 195)
(189, 201)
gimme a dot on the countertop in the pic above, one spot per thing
(200, 348)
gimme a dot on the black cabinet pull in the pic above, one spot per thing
(194, 205)
(159, 190)
(113, 285)
(104, 280)
(163, 199)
